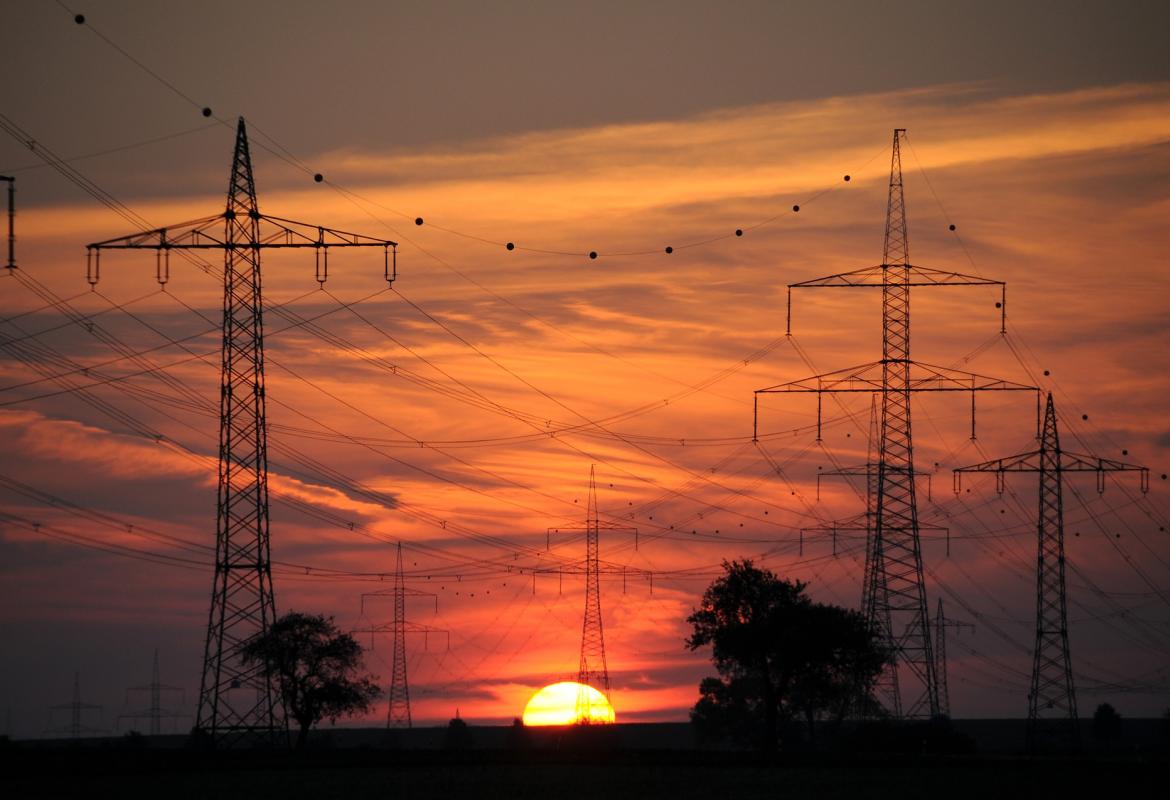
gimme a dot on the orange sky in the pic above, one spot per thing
(642, 365)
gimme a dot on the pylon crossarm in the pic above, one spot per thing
(876, 276)
(407, 627)
(1069, 462)
(390, 594)
(208, 233)
(906, 276)
(923, 378)
(1077, 462)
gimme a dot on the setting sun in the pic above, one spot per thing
(568, 703)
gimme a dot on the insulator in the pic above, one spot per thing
(322, 265)
(92, 266)
(390, 257)
(162, 265)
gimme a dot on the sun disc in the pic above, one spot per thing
(568, 703)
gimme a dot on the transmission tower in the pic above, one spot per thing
(592, 669)
(941, 623)
(235, 701)
(894, 584)
(398, 706)
(76, 710)
(1052, 702)
(11, 265)
(155, 713)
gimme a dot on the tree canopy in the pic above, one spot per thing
(320, 669)
(780, 656)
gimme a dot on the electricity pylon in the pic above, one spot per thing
(155, 712)
(398, 706)
(885, 689)
(894, 583)
(11, 265)
(592, 669)
(941, 623)
(237, 701)
(75, 708)
(1052, 702)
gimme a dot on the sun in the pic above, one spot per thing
(568, 703)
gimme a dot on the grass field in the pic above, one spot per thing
(355, 776)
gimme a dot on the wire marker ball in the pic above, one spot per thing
(593, 254)
(847, 179)
(418, 220)
(796, 208)
(739, 231)
(669, 249)
(951, 227)
(510, 246)
(318, 177)
(79, 19)
(206, 111)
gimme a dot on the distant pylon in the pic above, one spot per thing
(1052, 702)
(592, 670)
(11, 265)
(398, 708)
(895, 589)
(237, 702)
(75, 708)
(155, 712)
(941, 623)
(398, 713)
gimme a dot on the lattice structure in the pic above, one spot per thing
(11, 265)
(1052, 702)
(155, 713)
(398, 696)
(941, 623)
(592, 670)
(894, 586)
(76, 709)
(235, 701)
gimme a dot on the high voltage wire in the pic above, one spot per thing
(289, 158)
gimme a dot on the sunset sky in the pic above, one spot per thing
(459, 411)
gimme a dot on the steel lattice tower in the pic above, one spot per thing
(895, 592)
(592, 670)
(941, 623)
(75, 728)
(398, 696)
(398, 708)
(237, 701)
(155, 712)
(1052, 702)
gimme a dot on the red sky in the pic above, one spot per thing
(643, 365)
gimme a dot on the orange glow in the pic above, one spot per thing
(568, 703)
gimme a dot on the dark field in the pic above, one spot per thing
(620, 776)
(612, 762)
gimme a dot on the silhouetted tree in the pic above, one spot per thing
(319, 669)
(1106, 723)
(779, 655)
(458, 736)
(518, 735)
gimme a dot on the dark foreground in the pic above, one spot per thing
(354, 775)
